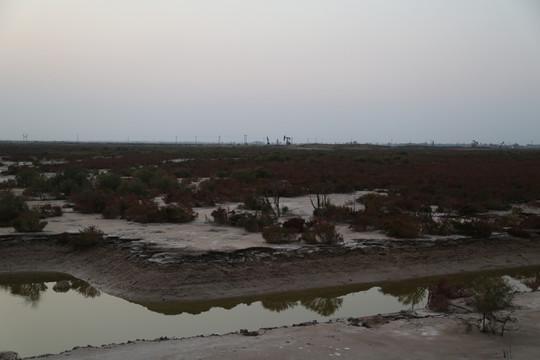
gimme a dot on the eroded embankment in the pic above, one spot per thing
(138, 271)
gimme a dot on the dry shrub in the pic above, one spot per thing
(87, 237)
(295, 224)
(62, 286)
(476, 228)
(519, 231)
(48, 210)
(29, 221)
(440, 295)
(220, 215)
(402, 226)
(144, 211)
(252, 222)
(276, 234)
(9, 355)
(321, 232)
(113, 209)
(531, 222)
(532, 284)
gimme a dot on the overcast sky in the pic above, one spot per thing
(332, 70)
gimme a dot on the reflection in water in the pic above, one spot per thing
(324, 306)
(324, 302)
(31, 293)
(68, 305)
(277, 305)
(411, 293)
(79, 286)
(414, 298)
(26, 287)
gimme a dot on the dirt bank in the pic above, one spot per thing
(140, 272)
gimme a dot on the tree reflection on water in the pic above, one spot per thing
(324, 306)
(32, 292)
(79, 286)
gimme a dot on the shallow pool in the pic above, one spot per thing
(51, 312)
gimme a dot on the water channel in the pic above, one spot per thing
(52, 312)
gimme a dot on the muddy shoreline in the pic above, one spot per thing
(129, 269)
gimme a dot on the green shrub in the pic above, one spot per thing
(91, 200)
(26, 176)
(178, 213)
(133, 187)
(69, 180)
(11, 207)
(110, 181)
(491, 295)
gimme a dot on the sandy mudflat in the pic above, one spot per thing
(202, 261)
(115, 269)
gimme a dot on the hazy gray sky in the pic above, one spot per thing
(334, 70)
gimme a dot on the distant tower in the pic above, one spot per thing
(245, 139)
(25, 137)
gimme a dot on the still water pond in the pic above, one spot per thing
(51, 312)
